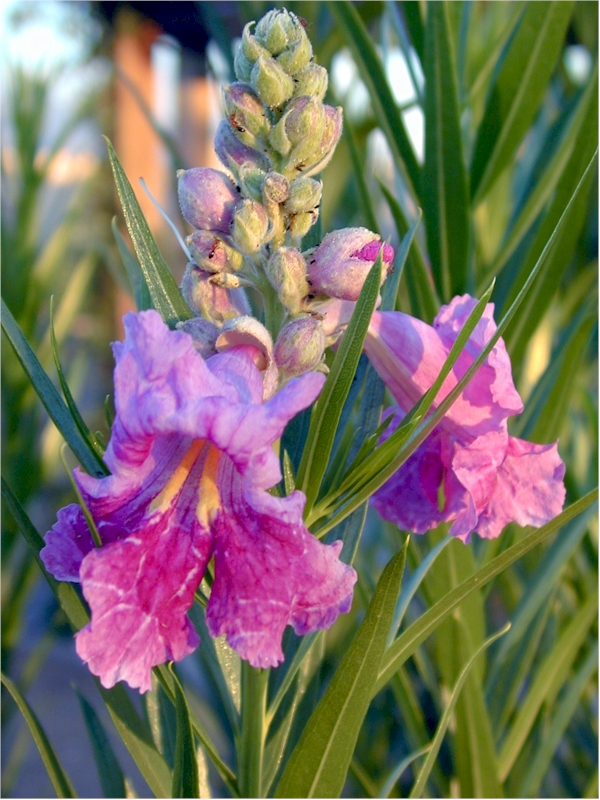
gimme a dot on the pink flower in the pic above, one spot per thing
(191, 459)
(469, 471)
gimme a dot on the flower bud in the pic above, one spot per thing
(270, 82)
(286, 271)
(339, 266)
(300, 346)
(250, 47)
(212, 253)
(204, 335)
(304, 195)
(311, 80)
(207, 198)
(302, 124)
(209, 300)
(296, 57)
(283, 35)
(232, 153)
(250, 225)
(242, 66)
(314, 160)
(245, 112)
(300, 224)
(251, 181)
(249, 331)
(276, 188)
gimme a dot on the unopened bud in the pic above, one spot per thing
(283, 35)
(270, 82)
(338, 267)
(304, 195)
(245, 112)
(250, 225)
(204, 335)
(242, 66)
(251, 181)
(212, 253)
(276, 188)
(232, 153)
(297, 56)
(286, 271)
(209, 300)
(319, 157)
(207, 198)
(300, 346)
(300, 224)
(312, 80)
(301, 126)
(251, 47)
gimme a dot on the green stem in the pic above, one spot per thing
(252, 741)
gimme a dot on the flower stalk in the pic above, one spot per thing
(254, 730)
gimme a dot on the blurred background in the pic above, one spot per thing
(148, 76)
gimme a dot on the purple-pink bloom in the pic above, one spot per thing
(191, 459)
(469, 471)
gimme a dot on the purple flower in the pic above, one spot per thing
(340, 264)
(469, 471)
(191, 459)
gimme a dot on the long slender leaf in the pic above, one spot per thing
(397, 772)
(60, 780)
(546, 682)
(361, 180)
(372, 72)
(185, 771)
(407, 643)
(53, 403)
(109, 769)
(320, 760)
(328, 408)
(165, 294)
(518, 90)
(560, 720)
(442, 727)
(445, 193)
(138, 284)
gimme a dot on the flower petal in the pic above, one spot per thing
(66, 544)
(271, 572)
(139, 590)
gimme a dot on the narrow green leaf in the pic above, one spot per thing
(77, 418)
(60, 780)
(137, 282)
(129, 725)
(547, 682)
(392, 283)
(373, 74)
(414, 23)
(185, 771)
(165, 294)
(109, 769)
(445, 193)
(423, 301)
(289, 481)
(53, 403)
(518, 90)
(397, 772)
(361, 180)
(320, 760)
(327, 411)
(407, 642)
(543, 756)
(440, 732)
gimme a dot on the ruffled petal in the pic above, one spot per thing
(66, 544)
(529, 488)
(271, 572)
(139, 590)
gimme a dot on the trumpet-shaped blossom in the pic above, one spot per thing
(469, 471)
(191, 459)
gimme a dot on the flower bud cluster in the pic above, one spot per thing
(249, 224)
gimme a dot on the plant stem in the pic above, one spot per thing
(252, 741)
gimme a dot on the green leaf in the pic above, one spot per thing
(440, 732)
(358, 162)
(109, 769)
(373, 74)
(328, 408)
(164, 292)
(60, 780)
(547, 682)
(414, 23)
(53, 403)
(130, 726)
(424, 303)
(185, 771)
(397, 772)
(518, 90)
(320, 761)
(445, 194)
(392, 283)
(407, 642)
(137, 282)
(543, 756)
